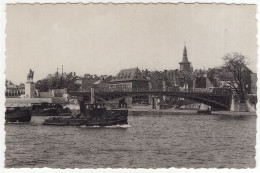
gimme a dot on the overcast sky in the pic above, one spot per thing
(102, 39)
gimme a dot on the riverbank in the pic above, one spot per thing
(139, 112)
(233, 113)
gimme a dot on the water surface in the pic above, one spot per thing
(191, 141)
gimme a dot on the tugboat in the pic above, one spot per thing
(91, 114)
(49, 109)
(17, 114)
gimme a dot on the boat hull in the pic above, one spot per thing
(115, 117)
(18, 116)
(52, 112)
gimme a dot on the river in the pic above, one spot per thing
(190, 141)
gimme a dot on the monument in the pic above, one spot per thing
(30, 85)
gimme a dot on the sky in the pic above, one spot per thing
(102, 39)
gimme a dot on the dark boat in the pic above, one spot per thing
(49, 109)
(91, 115)
(17, 114)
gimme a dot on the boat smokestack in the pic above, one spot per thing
(92, 95)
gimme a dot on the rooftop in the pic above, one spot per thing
(131, 74)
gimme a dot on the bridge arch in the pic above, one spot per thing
(217, 101)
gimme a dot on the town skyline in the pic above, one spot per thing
(127, 36)
(60, 69)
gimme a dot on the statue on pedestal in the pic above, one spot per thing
(30, 86)
(30, 76)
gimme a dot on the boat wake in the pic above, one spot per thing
(113, 126)
(119, 126)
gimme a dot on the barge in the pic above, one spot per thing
(49, 109)
(18, 114)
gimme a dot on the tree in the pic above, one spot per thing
(234, 66)
(56, 83)
(42, 85)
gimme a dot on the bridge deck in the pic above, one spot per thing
(216, 100)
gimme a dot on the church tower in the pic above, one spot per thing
(185, 64)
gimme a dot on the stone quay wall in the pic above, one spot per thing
(13, 102)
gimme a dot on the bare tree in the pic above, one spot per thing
(234, 65)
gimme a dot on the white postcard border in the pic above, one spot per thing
(2, 87)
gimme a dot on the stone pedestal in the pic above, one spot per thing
(158, 101)
(92, 97)
(243, 107)
(29, 90)
(236, 106)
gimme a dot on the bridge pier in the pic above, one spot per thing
(236, 106)
(92, 96)
(232, 105)
(125, 102)
(155, 101)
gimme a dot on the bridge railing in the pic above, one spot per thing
(142, 90)
(175, 89)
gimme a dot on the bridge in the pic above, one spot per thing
(220, 101)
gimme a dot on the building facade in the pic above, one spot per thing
(131, 80)
(103, 83)
(253, 77)
(85, 83)
(202, 83)
(160, 81)
(14, 90)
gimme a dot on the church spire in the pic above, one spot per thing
(185, 56)
(185, 64)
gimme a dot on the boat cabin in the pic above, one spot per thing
(92, 109)
(94, 106)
